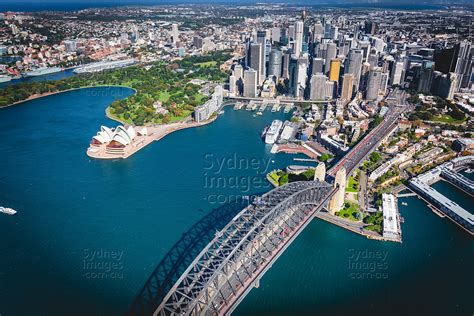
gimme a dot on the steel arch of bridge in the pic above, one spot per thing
(227, 268)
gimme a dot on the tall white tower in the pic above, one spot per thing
(320, 172)
(298, 38)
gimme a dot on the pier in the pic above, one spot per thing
(421, 185)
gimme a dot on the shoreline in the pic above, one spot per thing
(47, 94)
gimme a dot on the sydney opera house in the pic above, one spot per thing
(116, 140)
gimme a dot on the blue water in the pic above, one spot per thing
(133, 211)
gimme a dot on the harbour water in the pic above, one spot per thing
(89, 233)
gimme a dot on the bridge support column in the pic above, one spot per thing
(337, 201)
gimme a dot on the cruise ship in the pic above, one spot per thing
(7, 210)
(104, 65)
(4, 78)
(42, 71)
(273, 132)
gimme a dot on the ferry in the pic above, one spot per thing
(254, 107)
(249, 107)
(273, 132)
(262, 107)
(42, 71)
(274, 108)
(7, 210)
(469, 171)
(4, 78)
(238, 106)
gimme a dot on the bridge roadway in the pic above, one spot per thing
(238, 256)
(368, 144)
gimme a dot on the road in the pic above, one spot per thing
(363, 191)
(396, 104)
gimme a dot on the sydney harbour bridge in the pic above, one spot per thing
(238, 256)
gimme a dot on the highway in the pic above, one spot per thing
(396, 105)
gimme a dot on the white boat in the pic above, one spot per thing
(7, 210)
(42, 71)
(4, 78)
(274, 107)
(104, 65)
(259, 113)
(273, 132)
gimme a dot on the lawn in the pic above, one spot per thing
(211, 63)
(350, 212)
(446, 119)
(352, 185)
(164, 96)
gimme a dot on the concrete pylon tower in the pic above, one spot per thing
(320, 172)
(337, 201)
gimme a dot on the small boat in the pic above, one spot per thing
(220, 112)
(404, 203)
(259, 113)
(7, 210)
(469, 171)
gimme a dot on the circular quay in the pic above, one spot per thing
(210, 157)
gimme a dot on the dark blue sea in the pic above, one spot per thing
(89, 233)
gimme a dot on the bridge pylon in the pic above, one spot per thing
(337, 201)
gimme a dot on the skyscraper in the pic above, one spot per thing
(275, 63)
(318, 66)
(334, 69)
(353, 66)
(262, 40)
(347, 85)
(256, 60)
(298, 38)
(174, 32)
(464, 64)
(250, 83)
(331, 51)
(397, 73)
(376, 84)
(426, 76)
(300, 79)
(318, 87)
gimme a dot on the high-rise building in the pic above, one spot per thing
(318, 87)
(318, 66)
(301, 76)
(370, 27)
(464, 64)
(275, 63)
(347, 85)
(397, 73)
(238, 72)
(262, 40)
(286, 65)
(276, 34)
(376, 84)
(256, 60)
(353, 66)
(337, 201)
(298, 37)
(250, 83)
(320, 172)
(330, 53)
(426, 76)
(335, 67)
(318, 32)
(197, 42)
(174, 32)
(232, 85)
(330, 90)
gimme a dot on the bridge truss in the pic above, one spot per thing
(238, 256)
